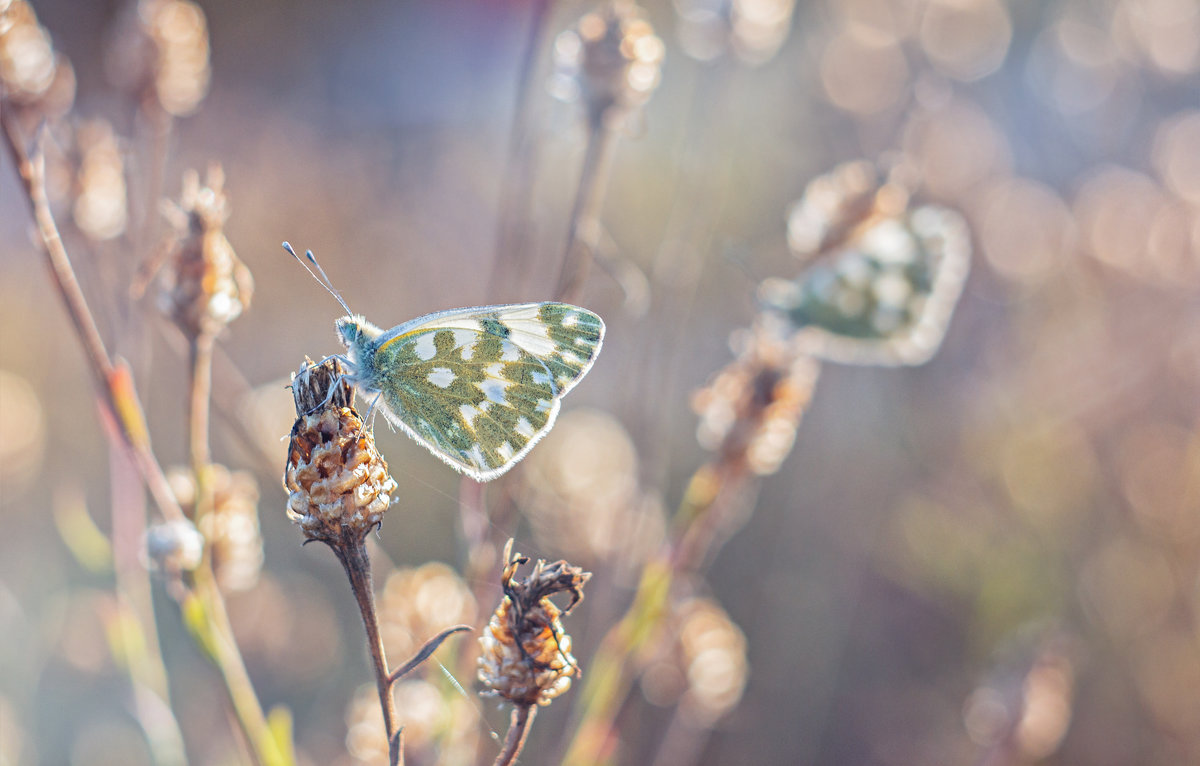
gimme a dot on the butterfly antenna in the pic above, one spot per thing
(323, 279)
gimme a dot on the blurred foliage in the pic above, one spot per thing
(993, 558)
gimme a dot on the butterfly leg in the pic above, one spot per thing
(369, 418)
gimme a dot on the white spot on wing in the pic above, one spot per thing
(465, 339)
(524, 427)
(424, 348)
(571, 358)
(441, 376)
(506, 451)
(533, 336)
(540, 377)
(469, 413)
(510, 352)
(494, 389)
(570, 319)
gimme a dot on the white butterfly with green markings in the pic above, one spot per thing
(479, 386)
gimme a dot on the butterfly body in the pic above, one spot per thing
(477, 387)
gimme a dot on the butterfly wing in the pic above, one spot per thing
(885, 300)
(478, 387)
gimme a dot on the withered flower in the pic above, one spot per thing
(610, 61)
(205, 285)
(338, 483)
(526, 655)
(751, 409)
(230, 526)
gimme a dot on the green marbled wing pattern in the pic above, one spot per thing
(885, 299)
(479, 387)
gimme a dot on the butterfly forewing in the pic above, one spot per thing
(478, 387)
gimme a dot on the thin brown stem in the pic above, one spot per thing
(200, 359)
(518, 730)
(115, 385)
(584, 233)
(351, 550)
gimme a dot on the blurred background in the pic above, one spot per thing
(990, 558)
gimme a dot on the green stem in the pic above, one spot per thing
(225, 655)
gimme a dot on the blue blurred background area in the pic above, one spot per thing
(992, 558)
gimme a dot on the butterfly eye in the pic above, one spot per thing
(347, 330)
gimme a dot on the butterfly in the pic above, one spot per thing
(478, 386)
(884, 296)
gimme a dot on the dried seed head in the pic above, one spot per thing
(338, 482)
(610, 60)
(417, 604)
(752, 408)
(26, 54)
(700, 662)
(205, 286)
(160, 53)
(173, 547)
(834, 204)
(525, 656)
(752, 29)
(34, 79)
(100, 209)
(231, 525)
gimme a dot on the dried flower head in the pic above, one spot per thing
(416, 604)
(752, 29)
(525, 655)
(610, 60)
(34, 79)
(205, 286)
(173, 547)
(100, 209)
(231, 525)
(160, 52)
(338, 482)
(834, 204)
(26, 53)
(752, 408)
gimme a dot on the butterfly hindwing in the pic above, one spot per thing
(478, 387)
(884, 298)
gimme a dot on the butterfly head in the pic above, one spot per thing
(356, 334)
